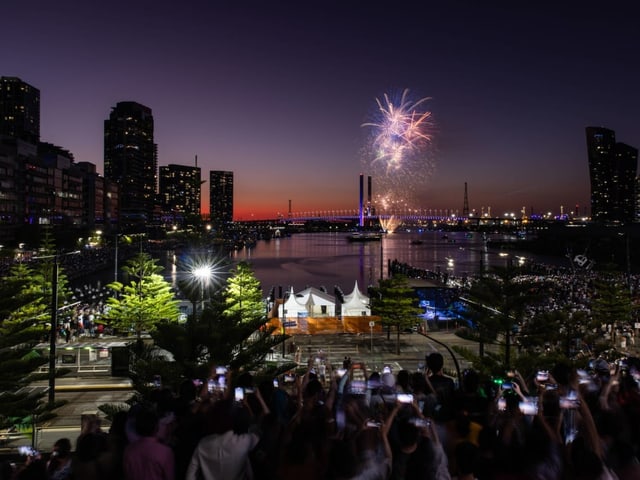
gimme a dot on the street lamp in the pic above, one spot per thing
(53, 333)
(204, 274)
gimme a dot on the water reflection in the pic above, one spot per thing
(328, 259)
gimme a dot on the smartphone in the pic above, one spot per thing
(211, 385)
(571, 400)
(542, 376)
(197, 382)
(386, 369)
(421, 422)
(358, 387)
(404, 397)
(28, 451)
(221, 370)
(372, 424)
(550, 386)
(239, 394)
(289, 378)
(222, 382)
(507, 385)
(275, 383)
(528, 408)
(157, 381)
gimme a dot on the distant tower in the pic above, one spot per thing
(179, 191)
(221, 197)
(19, 110)
(369, 206)
(465, 207)
(131, 159)
(360, 202)
(613, 168)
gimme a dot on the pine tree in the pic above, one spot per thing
(145, 302)
(24, 312)
(243, 295)
(397, 305)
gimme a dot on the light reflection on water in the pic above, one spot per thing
(329, 259)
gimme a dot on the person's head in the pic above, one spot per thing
(466, 456)
(470, 381)
(435, 362)
(146, 423)
(62, 448)
(403, 379)
(408, 435)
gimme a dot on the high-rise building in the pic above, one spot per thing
(130, 160)
(19, 110)
(613, 169)
(179, 189)
(221, 197)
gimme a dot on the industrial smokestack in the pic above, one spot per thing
(360, 206)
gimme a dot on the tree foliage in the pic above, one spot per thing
(231, 331)
(612, 304)
(498, 303)
(145, 301)
(243, 295)
(396, 303)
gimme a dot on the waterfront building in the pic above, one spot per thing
(130, 161)
(220, 197)
(19, 110)
(41, 184)
(179, 192)
(613, 169)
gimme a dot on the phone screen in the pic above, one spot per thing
(404, 397)
(239, 394)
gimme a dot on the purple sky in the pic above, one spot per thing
(278, 93)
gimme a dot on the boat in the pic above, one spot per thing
(365, 237)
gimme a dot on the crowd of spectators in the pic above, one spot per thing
(568, 289)
(566, 423)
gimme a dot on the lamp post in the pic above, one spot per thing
(204, 275)
(53, 332)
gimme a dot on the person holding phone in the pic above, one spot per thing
(225, 453)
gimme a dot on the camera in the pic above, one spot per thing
(404, 397)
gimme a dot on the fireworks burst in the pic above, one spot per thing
(402, 131)
(389, 224)
(397, 149)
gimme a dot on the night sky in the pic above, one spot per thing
(277, 92)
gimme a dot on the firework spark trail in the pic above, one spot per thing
(402, 130)
(396, 151)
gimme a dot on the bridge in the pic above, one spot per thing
(412, 217)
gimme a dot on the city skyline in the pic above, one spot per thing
(279, 94)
